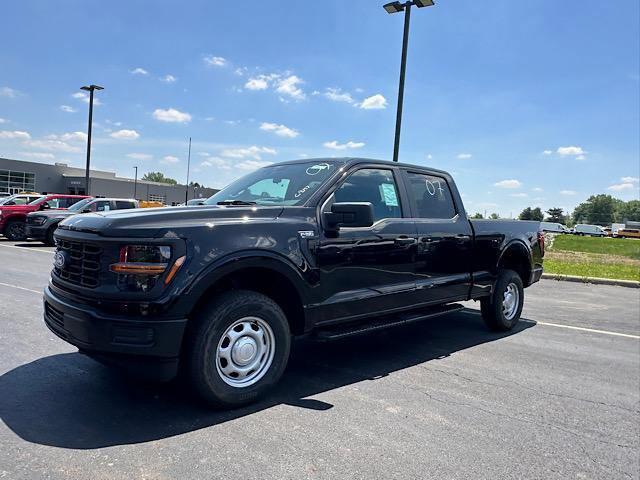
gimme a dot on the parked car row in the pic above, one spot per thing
(37, 216)
(584, 229)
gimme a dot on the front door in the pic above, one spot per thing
(445, 240)
(368, 270)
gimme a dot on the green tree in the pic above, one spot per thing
(195, 185)
(158, 177)
(598, 209)
(536, 214)
(494, 216)
(477, 215)
(525, 214)
(556, 215)
(628, 211)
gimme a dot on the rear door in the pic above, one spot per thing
(445, 239)
(368, 270)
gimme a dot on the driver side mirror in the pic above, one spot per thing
(86, 210)
(45, 206)
(349, 214)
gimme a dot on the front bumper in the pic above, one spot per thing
(149, 347)
(38, 232)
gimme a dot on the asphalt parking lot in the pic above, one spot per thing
(559, 397)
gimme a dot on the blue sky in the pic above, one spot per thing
(526, 103)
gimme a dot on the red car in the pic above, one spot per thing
(13, 218)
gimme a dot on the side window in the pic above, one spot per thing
(431, 196)
(372, 185)
(120, 204)
(100, 206)
(54, 203)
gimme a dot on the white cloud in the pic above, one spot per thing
(85, 98)
(464, 156)
(518, 195)
(248, 152)
(252, 164)
(547, 152)
(280, 130)
(69, 137)
(4, 120)
(68, 109)
(572, 150)
(374, 102)
(216, 162)
(429, 156)
(40, 155)
(138, 71)
(334, 145)
(621, 186)
(289, 86)
(15, 135)
(508, 184)
(537, 189)
(171, 115)
(580, 157)
(169, 160)
(125, 134)
(261, 82)
(168, 79)
(337, 95)
(9, 92)
(140, 156)
(567, 192)
(52, 145)
(629, 179)
(214, 61)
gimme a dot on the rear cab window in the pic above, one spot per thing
(430, 196)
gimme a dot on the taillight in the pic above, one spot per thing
(541, 242)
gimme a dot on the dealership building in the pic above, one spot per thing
(20, 176)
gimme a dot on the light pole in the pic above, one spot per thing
(91, 88)
(186, 193)
(135, 183)
(396, 7)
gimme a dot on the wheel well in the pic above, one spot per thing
(516, 258)
(273, 284)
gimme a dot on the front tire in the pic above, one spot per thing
(15, 230)
(237, 349)
(501, 311)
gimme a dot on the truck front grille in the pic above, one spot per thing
(81, 264)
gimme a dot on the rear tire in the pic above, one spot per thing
(501, 311)
(237, 348)
(15, 230)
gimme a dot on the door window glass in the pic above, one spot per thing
(376, 186)
(431, 196)
(120, 204)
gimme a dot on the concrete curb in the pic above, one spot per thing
(594, 280)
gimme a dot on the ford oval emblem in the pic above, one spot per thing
(59, 259)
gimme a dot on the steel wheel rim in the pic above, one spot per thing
(245, 352)
(510, 301)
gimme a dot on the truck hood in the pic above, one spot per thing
(155, 222)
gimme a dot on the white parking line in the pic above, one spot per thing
(592, 330)
(20, 288)
(28, 249)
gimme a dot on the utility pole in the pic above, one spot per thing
(135, 183)
(186, 193)
(91, 88)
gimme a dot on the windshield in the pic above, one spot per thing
(78, 206)
(7, 199)
(284, 184)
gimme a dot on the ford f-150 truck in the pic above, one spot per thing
(13, 218)
(325, 247)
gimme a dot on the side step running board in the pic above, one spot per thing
(336, 332)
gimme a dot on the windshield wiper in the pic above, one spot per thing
(235, 202)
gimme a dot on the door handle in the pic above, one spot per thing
(463, 237)
(404, 241)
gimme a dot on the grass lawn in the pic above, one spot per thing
(624, 247)
(594, 257)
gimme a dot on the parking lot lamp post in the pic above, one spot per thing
(396, 7)
(91, 88)
(135, 183)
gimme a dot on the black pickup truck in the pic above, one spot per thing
(324, 247)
